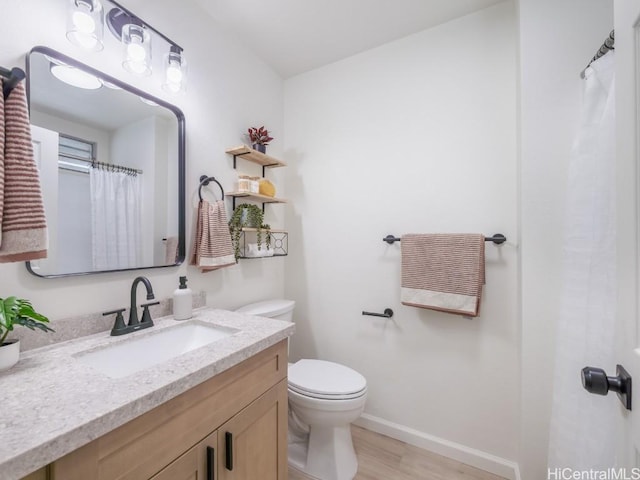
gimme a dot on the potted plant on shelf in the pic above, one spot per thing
(259, 138)
(249, 216)
(16, 311)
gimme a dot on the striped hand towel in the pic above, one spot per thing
(171, 250)
(443, 272)
(212, 246)
(24, 227)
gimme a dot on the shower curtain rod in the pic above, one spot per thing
(604, 49)
(114, 168)
(95, 164)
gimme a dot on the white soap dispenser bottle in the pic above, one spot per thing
(182, 301)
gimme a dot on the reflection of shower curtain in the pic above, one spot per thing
(116, 203)
(582, 434)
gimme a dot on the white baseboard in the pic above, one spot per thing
(470, 456)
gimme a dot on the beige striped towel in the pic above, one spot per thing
(24, 227)
(443, 272)
(171, 250)
(212, 246)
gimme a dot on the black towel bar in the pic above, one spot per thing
(204, 181)
(11, 79)
(497, 238)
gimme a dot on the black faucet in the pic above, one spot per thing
(133, 311)
(119, 328)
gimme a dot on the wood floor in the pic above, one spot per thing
(384, 458)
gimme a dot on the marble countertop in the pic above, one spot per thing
(53, 403)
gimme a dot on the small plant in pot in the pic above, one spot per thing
(249, 216)
(16, 311)
(259, 138)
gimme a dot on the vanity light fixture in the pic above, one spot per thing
(85, 24)
(74, 77)
(175, 71)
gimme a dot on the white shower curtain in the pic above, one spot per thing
(582, 424)
(116, 211)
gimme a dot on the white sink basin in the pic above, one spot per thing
(152, 348)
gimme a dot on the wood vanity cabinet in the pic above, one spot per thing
(197, 463)
(241, 414)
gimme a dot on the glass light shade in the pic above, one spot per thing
(74, 77)
(137, 50)
(175, 72)
(85, 24)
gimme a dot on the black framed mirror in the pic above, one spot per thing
(112, 169)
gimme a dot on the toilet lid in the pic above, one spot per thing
(325, 379)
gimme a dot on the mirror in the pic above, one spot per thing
(112, 162)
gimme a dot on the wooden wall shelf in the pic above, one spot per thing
(256, 197)
(248, 153)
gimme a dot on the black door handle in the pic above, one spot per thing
(228, 440)
(595, 380)
(211, 455)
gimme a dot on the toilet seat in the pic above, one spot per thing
(325, 380)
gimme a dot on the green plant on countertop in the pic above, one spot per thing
(17, 311)
(247, 215)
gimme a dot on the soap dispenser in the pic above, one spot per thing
(182, 301)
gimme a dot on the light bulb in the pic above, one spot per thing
(136, 52)
(137, 49)
(174, 74)
(83, 22)
(175, 71)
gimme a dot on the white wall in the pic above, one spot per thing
(418, 135)
(229, 90)
(557, 40)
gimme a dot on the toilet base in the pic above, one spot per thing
(326, 453)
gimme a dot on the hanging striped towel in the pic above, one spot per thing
(443, 272)
(171, 250)
(24, 227)
(212, 246)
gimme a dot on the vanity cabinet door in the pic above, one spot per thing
(198, 463)
(253, 443)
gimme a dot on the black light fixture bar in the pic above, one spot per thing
(144, 24)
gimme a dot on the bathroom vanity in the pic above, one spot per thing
(216, 412)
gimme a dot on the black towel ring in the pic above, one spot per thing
(204, 181)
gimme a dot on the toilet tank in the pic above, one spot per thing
(279, 309)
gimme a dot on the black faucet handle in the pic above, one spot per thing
(119, 326)
(146, 316)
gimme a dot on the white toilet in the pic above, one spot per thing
(324, 398)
